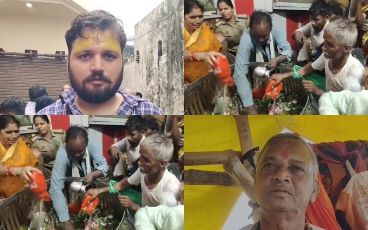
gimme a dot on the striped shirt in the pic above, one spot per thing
(131, 105)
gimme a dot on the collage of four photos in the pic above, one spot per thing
(94, 96)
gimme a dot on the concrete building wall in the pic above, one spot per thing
(89, 5)
(45, 34)
(161, 73)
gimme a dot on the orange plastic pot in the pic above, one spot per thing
(39, 186)
(223, 72)
(273, 89)
(89, 204)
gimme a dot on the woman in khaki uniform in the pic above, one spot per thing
(46, 141)
(230, 25)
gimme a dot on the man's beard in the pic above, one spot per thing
(98, 95)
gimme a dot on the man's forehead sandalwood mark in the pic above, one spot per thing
(104, 38)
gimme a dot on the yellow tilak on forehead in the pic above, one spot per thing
(104, 38)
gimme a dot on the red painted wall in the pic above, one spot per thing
(293, 18)
(108, 134)
(60, 122)
(244, 6)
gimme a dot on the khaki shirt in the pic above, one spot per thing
(48, 148)
(232, 32)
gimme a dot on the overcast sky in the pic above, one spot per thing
(131, 12)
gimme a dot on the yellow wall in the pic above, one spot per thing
(207, 207)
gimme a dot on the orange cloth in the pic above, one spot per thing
(353, 201)
(331, 159)
(201, 40)
(321, 213)
(18, 155)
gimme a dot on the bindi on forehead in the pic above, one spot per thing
(285, 149)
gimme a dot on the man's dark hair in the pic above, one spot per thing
(36, 91)
(135, 123)
(43, 102)
(139, 94)
(74, 132)
(5, 120)
(13, 105)
(189, 5)
(319, 8)
(335, 8)
(151, 123)
(98, 20)
(227, 2)
(259, 17)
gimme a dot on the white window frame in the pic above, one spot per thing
(107, 120)
(286, 5)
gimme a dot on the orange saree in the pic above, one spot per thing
(201, 40)
(18, 155)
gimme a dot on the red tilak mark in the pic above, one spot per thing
(284, 155)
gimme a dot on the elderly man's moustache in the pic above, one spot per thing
(279, 187)
(99, 77)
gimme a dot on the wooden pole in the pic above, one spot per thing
(209, 158)
(198, 177)
(239, 173)
(245, 137)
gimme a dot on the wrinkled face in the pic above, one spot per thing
(9, 135)
(331, 48)
(318, 23)
(96, 65)
(147, 163)
(135, 137)
(76, 148)
(225, 11)
(193, 20)
(261, 33)
(284, 178)
(41, 126)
